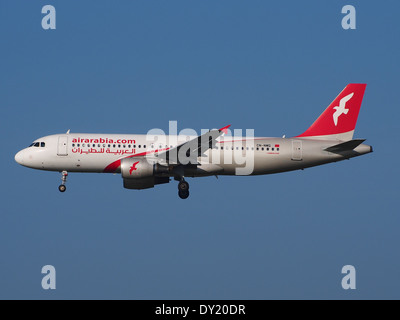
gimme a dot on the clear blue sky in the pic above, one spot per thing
(130, 66)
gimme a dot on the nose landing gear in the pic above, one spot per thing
(183, 189)
(62, 187)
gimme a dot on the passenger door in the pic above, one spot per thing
(62, 149)
(297, 153)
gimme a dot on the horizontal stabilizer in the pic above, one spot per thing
(345, 146)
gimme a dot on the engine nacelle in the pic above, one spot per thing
(136, 168)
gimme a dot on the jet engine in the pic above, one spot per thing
(139, 168)
(136, 168)
(139, 173)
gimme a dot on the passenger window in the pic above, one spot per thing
(78, 145)
(144, 146)
(273, 149)
(119, 146)
(129, 145)
(73, 145)
(42, 144)
(262, 149)
(140, 146)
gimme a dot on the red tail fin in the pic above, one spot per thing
(339, 120)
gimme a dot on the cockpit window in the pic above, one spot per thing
(37, 144)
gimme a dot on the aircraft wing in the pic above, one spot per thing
(187, 153)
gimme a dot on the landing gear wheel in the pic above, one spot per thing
(183, 194)
(183, 186)
(64, 176)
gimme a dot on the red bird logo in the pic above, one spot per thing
(133, 167)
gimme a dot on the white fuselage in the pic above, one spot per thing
(104, 152)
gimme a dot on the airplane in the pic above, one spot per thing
(148, 160)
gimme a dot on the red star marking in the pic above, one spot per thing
(133, 167)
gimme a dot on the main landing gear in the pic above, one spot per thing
(183, 188)
(62, 187)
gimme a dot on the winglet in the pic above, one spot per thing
(224, 129)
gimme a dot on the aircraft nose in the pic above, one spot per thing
(19, 157)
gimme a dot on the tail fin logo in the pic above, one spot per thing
(341, 108)
(347, 103)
